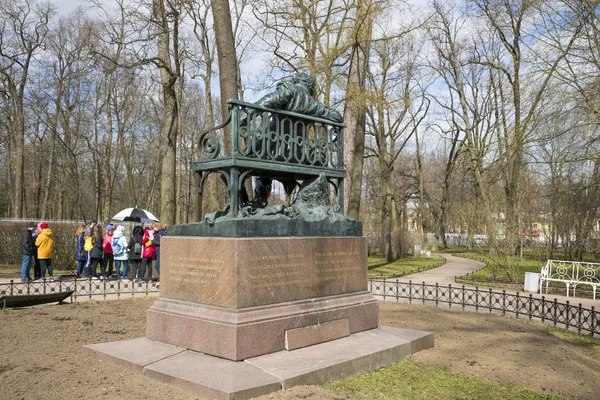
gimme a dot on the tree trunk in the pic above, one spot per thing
(227, 58)
(355, 110)
(169, 128)
(108, 149)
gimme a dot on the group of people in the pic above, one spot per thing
(37, 244)
(95, 247)
(110, 246)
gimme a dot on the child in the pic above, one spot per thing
(119, 249)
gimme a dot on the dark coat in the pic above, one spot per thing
(156, 241)
(27, 243)
(137, 237)
(97, 249)
(80, 253)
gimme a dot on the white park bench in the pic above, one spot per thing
(572, 274)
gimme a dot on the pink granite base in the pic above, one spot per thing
(236, 298)
(251, 332)
(215, 378)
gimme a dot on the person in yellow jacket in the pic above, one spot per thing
(45, 245)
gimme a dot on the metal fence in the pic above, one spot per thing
(83, 289)
(551, 312)
(547, 311)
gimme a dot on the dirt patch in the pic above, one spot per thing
(41, 355)
(501, 349)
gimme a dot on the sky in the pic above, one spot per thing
(66, 6)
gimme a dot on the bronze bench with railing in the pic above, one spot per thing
(270, 143)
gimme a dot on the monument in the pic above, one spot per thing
(255, 298)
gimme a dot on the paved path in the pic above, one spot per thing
(444, 275)
(457, 266)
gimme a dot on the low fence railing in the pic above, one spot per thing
(547, 311)
(83, 288)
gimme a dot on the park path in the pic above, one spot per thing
(445, 274)
(457, 266)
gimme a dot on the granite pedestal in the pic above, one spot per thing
(236, 298)
(239, 317)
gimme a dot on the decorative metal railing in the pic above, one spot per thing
(83, 288)
(571, 274)
(280, 137)
(547, 311)
(270, 143)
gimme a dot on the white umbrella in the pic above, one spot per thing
(136, 215)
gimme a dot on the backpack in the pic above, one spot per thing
(137, 248)
(117, 248)
(88, 245)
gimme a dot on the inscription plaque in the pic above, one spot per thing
(248, 272)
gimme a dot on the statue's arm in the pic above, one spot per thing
(279, 98)
(275, 100)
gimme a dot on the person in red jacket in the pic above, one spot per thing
(108, 259)
(148, 251)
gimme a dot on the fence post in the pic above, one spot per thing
(12, 287)
(490, 300)
(518, 305)
(423, 293)
(476, 299)
(410, 292)
(594, 321)
(463, 297)
(437, 294)
(568, 308)
(555, 310)
(530, 305)
(579, 318)
(449, 295)
(543, 307)
(384, 286)
(503, 303)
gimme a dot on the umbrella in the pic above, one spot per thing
(135, 214)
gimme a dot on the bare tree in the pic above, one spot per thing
(396, 108)
(515, 63)
(23, 32)
(308, 35)
(468, 106)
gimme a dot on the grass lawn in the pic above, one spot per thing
(495, 273)
(380, 268)
(414, 380)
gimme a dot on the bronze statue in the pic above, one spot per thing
(295, 94)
